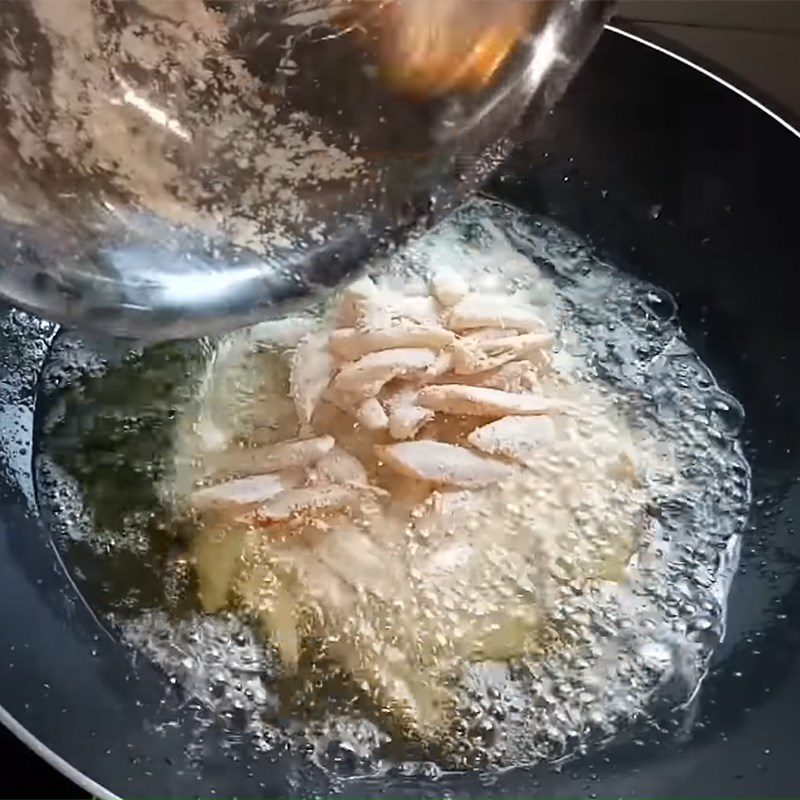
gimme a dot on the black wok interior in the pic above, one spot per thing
(672, 176)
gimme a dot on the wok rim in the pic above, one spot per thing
(688, 57)
(630, 31)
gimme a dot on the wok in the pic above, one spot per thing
(673, 174)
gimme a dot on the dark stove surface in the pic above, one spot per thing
(26, 776)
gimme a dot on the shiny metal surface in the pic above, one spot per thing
(175, 169)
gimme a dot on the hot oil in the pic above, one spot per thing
(643, 634)
(105, 451)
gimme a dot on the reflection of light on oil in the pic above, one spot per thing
(152, 112)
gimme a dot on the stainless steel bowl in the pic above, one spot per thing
(175, 169)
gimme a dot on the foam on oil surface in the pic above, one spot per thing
(637, 647)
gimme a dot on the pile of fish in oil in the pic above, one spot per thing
(479, 509)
